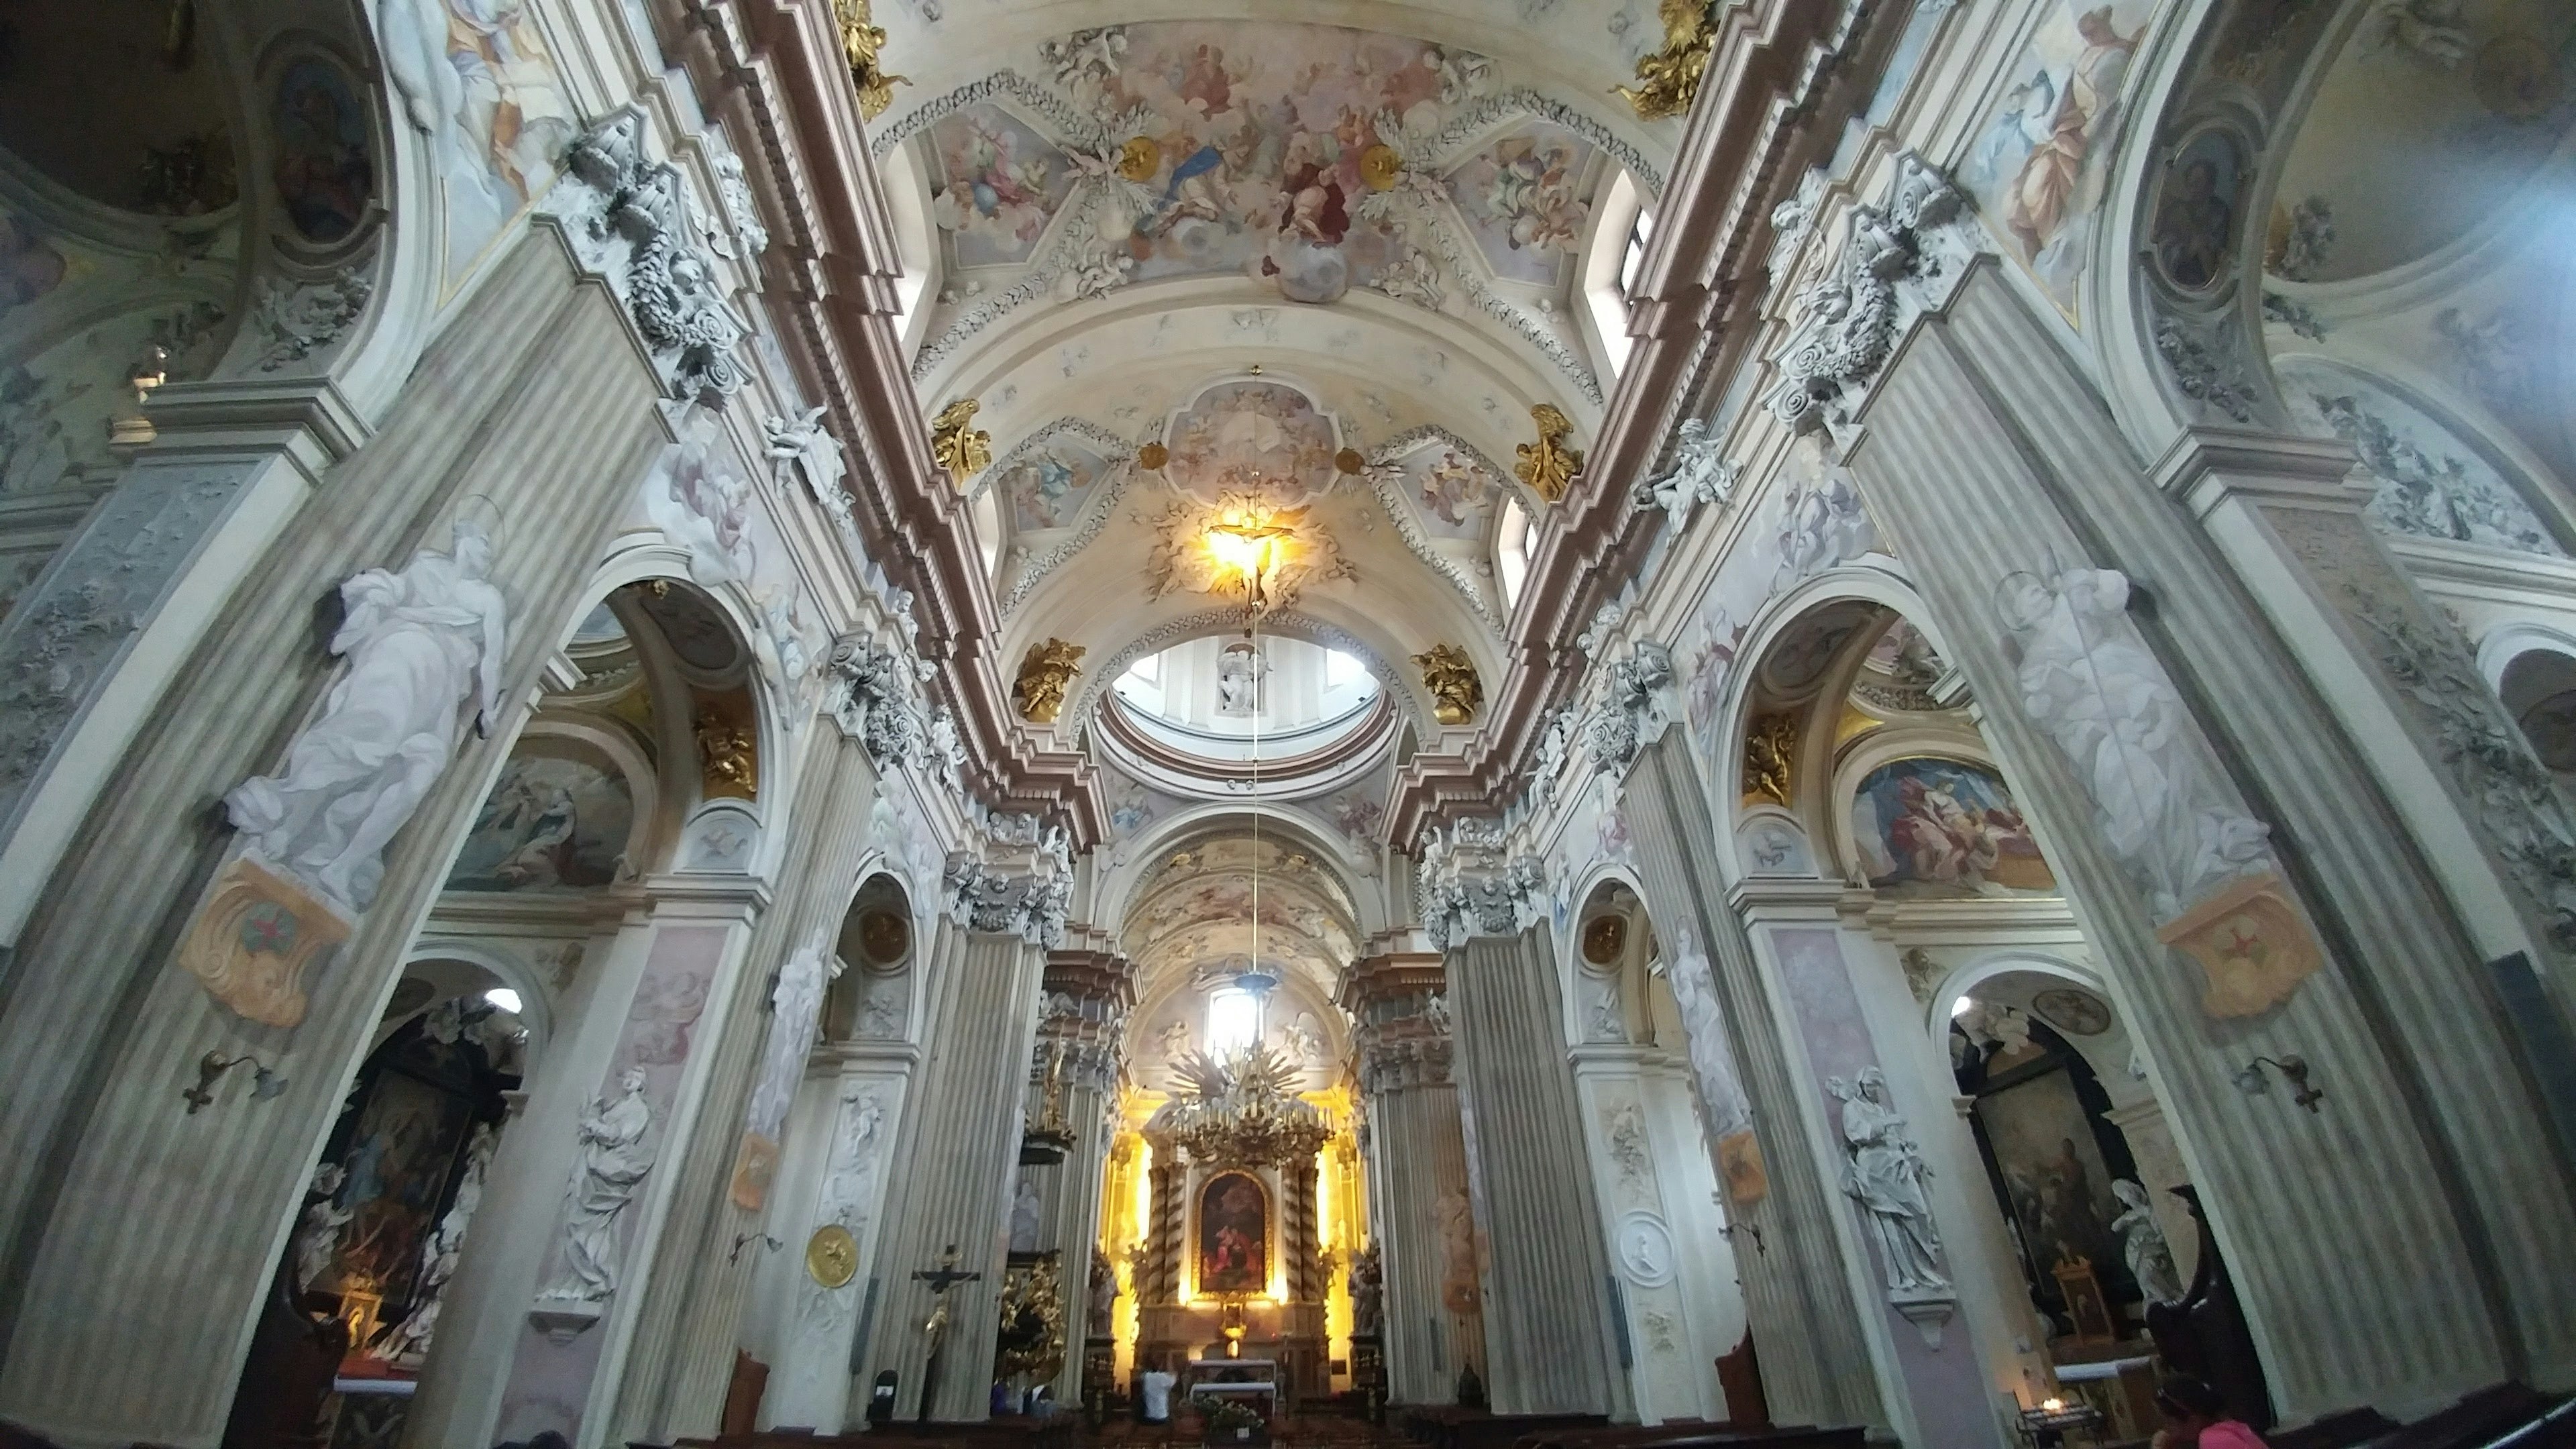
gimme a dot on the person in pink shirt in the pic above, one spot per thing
(2197, 1418)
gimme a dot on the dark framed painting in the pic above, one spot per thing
(1234, 1235)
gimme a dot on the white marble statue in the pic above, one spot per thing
(1025, 1211)
(1700, 473)
(421, 645)
(2088, 678)
(1704, 1032)
(804, 447)
(1239, 668)
(2142, 1242)
(796, 1015)
(1104, 1295)
(614, 1161)
(1887, 1176)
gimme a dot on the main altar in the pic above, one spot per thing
(1230, 1269)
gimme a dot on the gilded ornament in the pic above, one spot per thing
(252, 943)
(1030, 1339)
(1379, 167)
(727, 758)
(1451, 677)
(1243, 1111)
(863, 46)
(1044, 672)
(1771, 760)
(1140, 158)
(955, 444)
(832, 1256)
(1350, 461)
(1548, 466)
(1152, 457)
(1668, 79)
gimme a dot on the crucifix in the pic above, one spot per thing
(940, 1279)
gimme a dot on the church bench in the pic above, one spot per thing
(1449, 1427)
(2491, 1416)
(1708, 1436)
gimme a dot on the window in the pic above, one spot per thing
(1633, 261)
(1233, 1022)
(1341, 669)
(1511, 550)
(1148, 670)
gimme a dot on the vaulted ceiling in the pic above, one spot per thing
(1323, 258)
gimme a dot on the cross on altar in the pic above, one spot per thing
(942, 1278)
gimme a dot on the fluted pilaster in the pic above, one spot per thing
(680, 1359)
(2429, 1149)
(1088, 996)
(102, 1031)
(1550, 1341)
(1797, 1292)
(959, 1151)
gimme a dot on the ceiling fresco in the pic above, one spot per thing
(1190, 913)
(1301, 162)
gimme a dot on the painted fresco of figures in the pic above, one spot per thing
(423, 645)
(1927, 826)
(1234, 1235)
(550, 823)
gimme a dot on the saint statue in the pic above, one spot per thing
(1368, 1295)
(796, 1015)
(1886, 1176)
(614, 1160)
(2142, 1241)
(420, 644)
(1104, 1295)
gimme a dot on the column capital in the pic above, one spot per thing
(1402, 1015)
(1031, 907)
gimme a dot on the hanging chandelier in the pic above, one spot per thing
(1244, 1110)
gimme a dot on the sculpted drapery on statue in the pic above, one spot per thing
(420, 644)
(796, 1015)
(1886, 1177)
(614, 1161)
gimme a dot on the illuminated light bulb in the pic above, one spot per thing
(502, 998)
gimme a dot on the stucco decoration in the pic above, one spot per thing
(627, 218)
(1031, 907)
(1699, 473)
(1901, 257)
(1473, 889)
(2425, 480)
(2212, 884)
(1636, 705)
(422, 644)
(615, 1159)
(878, 701)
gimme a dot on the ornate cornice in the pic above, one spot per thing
(1780, 82)
(774, 72)
(1477, 891)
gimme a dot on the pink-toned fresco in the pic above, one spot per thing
(1000, 184)
(1261, 439)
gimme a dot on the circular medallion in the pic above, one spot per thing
(2516, 78)
(1349, 461)
(2080, 1013)
(885, 936)
(1603, 938)
(1645, 1248)
(832, 1255)
(1379, 166)
(1140, 158)
(1152, 456)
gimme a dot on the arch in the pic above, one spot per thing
(1115, 887)
(1964, 978)
(506, 967)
